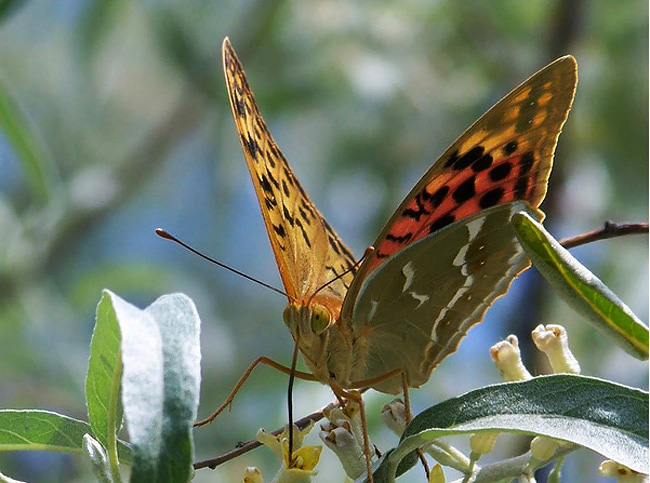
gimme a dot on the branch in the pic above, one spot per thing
(242, 448)
(609, 230)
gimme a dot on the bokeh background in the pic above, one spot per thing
(114, 120)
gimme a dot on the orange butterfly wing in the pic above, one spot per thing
(307, 250)
(506, 155)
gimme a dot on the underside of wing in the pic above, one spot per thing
(413, 310)
(506, 155)
(307, 250)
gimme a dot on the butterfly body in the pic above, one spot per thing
(440, 261)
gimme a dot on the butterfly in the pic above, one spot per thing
(443, 257)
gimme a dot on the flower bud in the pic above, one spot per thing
(507, 358)
(554, 342)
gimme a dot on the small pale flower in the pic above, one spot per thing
(554, 342)
(483, 442)
(349, 416)
(622, 473)
(543, 448)
(394, 416)
(300, 468)
(507, 358)
(437, 475)
(338, 434)
(252, 475)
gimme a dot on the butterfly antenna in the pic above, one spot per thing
(367, 253)
(165, 234)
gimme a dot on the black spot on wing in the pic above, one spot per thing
(500, 172)
(399, 239)
(482, 163)
(452, 159)
(438, 197)
(240, 106)
(527, 161)
(491, 198)
(266, 186)
(287, 215)
(250, 145)
(442, 222)
(303, 215)
(464, 191)
(304, 233)
(419, 211)
(270, 159)
(510, 148)
(521, 187)
(333, 244)
(468, 158)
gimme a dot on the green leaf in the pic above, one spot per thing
(37, 430)
(160, 385)
(580, 288)
(104, 373)
(609, 418)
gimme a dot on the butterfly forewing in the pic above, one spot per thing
(308, 252)
(506, 155)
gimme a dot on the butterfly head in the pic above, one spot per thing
(308, 320)
(312, 325)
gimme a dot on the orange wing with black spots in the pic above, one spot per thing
(449, 250)
(307, 250)
(505, 156)
(441, 260)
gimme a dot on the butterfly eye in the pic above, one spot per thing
(320, 319)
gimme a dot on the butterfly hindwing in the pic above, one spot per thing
(413, 310)
(307, 250)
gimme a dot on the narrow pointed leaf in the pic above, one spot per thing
(38, 430)
(582, 289)
(608, 418)
(104, 373)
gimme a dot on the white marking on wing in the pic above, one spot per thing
(420, 298)
(459, 293)
(373, 308)
(473, 227)
(409, 273)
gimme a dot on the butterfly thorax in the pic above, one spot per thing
(326, 350)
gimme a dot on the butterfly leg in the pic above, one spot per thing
(408, 415)
(260, 360)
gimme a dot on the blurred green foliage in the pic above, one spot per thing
(114, 120)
